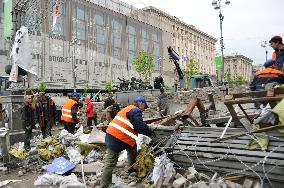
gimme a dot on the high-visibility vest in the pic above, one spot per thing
(121, 128)
(269, 73)
(66, 111)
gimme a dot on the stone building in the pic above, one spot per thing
(238, 65)
(95, 41)
(189, 42)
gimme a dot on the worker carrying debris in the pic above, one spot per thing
(45, 110)
(121, 134)
(70, 111)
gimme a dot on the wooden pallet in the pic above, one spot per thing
(193, 145)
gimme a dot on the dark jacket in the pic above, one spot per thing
(135, 117)
(46, 110)
(28, 117)
(163, 102)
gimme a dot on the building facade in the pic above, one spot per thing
(95, 41)
(238, 65)
(189, 42)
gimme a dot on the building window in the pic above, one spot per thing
(116, 37)
(132, 41)
(79, 19)
(1, 11)
(57, 25)
(144, 40)
(100, 32)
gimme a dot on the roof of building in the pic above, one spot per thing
(175, 19)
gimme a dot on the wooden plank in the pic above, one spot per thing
(242, 134)
(230, 145)
(259, 154)
(188, 140)
(251, 94)
(210, 129)
(234, 165)
(229, 156)
(213, 137)
(253, 100)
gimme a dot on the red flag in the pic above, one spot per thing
(56, 14)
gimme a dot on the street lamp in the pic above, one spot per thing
(217, 6)
(264, 45)
(73, 43)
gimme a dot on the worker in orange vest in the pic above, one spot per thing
(121, 134)
(69, 113)
(278, 55)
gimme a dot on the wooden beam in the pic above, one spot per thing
(245, 133)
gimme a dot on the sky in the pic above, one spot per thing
(246, 22)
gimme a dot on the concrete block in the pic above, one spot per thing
(247, 183)
(178, 183)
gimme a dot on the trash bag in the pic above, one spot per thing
(261, 141)
(268, 119)
(144, 162)
(50, 148)
(279, 110)
(18, 152)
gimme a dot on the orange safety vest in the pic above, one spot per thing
(66, 111)
(269, 72)
(121, 128)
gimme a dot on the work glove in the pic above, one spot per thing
(37, 125)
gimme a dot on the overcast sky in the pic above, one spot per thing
(246, 22)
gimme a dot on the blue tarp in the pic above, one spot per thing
(59, 166)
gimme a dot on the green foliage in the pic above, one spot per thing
(191, 69)
(229, 78)
(144, 65)
(41, 87)
(86, 88)
(108, 86)
(240, 80)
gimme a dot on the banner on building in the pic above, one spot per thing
(8, 24)
(21, 51)
(218, 62)
(14, 73)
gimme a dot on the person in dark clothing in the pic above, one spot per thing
(108, 101)
(46, 113)
(121, 134)
(69, 111)
(163, 105)
(28, 119)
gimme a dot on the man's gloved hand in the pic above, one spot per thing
(37, 125)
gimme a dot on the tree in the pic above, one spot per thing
(41, 87)
(229, 78)
(191, 69)
(86, 88)
(240, 80)
(108, 86)
(144, 65)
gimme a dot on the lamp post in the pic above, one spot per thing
(73, 43)
(264, 45)
(217, 6)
